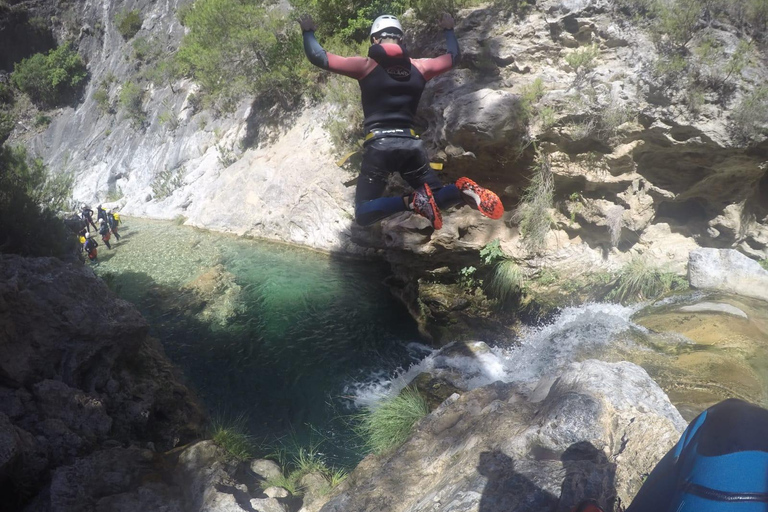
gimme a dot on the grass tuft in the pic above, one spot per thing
(231, 436)
(506, 281)
(532, 214)
(764, 263)
(643, 279)
(388, 425)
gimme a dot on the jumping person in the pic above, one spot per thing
(391, 84)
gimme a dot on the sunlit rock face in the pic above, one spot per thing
(728, 271)
(628, 149)
(595, 429)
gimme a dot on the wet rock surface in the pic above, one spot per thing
(596, 431)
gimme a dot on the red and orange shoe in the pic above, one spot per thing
(484, 200)
(423, 203)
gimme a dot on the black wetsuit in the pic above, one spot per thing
(391, 84)
(87, 215)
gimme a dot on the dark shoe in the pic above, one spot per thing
(485, 201)
(423, 203)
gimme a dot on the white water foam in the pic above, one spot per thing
(574, 334)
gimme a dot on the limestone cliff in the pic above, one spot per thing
(639, 165)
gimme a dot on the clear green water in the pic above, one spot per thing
(275, 333)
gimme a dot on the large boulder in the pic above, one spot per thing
(727, 270)
(597, 431)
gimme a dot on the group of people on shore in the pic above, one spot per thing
(108, 220)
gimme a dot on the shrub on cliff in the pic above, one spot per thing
(51, 79)
(128, 23)
(234, 49)
(30, 197)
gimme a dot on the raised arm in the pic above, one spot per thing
(353, 67)
(430, 68)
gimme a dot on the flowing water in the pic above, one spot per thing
(293, 340)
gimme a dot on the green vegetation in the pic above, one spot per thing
(233, 49)
(530, 95)
(584, 59)
(7, 122)
(750, 117)
(643, 279)
(231, 436)
(101, 97)
(166, 182)
(42, 120)
(145, 49)
(389, 424)
(532, 215)
(30, 198)
(128, 23)
(298, 461)
(52, 78)
(492, 251)
(506, 282)
(131, 100)
(350, 20)
(467, 278)
(764, 263)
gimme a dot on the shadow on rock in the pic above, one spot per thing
(518, 486)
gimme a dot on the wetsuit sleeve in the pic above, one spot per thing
(430, 68)
(353, 67)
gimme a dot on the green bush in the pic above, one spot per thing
(6, 94)
(128, 23)
(7, 122)
(30, 197)
(166, 182)
(349, 19)
(530, 95)
(583, 59)
(764, 263)
(750, 117)
(677, 21)
(52, 78)
(234, 49)
(389, 424)
(131, 100)
(42, 120)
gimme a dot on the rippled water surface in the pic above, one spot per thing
(260, 329)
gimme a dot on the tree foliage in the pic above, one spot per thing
(238, 47)
(52, 78)
(30, 197)
(128, 23)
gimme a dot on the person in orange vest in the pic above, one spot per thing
(90, 246)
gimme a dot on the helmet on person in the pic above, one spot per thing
(87, 235)
(386, 26)
(101, 221)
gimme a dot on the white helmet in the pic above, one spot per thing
(87, 235)
(384, 23)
